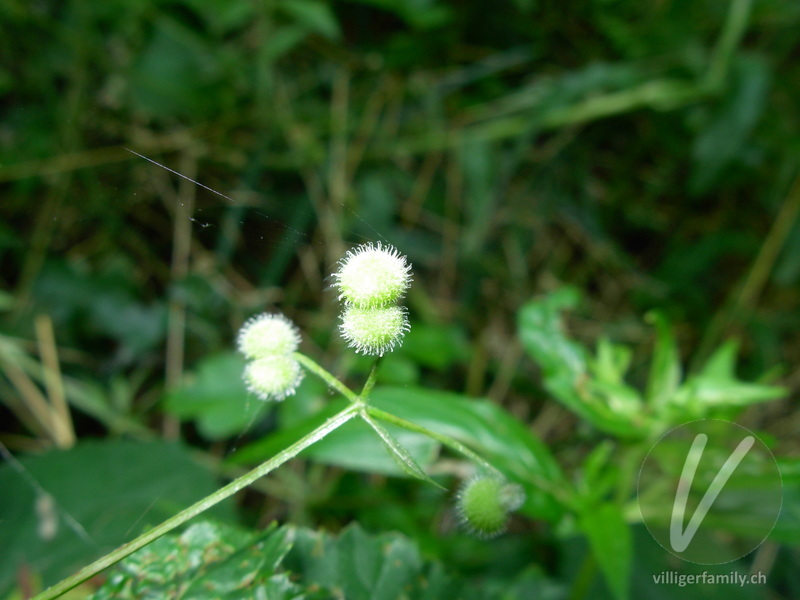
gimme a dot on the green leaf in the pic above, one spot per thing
(700, 393)
(355, 446)
(88, 500)
(359, 565)
(598, 476)
(665, 367)
(270, 445)
(216, 398)
(316, 16)
(787, 528)
(352, 446)
(716, 386)
(612, 361)
(207, 561)
(725, 138)
(487, 429)
(402, 456)
(612, 546)
(565, 368)
(212, 561)
(722, 363)
(435, 346)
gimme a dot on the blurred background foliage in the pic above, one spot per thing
(644, 152)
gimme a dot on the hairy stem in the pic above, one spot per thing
(326, 377)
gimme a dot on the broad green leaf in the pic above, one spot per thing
(487, 429)
(665, 367)
(435, 346)
(88, 500)
(216, 398)
(612, 546)
(270, 445)
(356, 446)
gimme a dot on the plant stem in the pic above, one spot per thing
(326, 377)
(441, 438)
(563, 494)
(370, 383)
(234, 486)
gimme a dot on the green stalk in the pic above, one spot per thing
(370, 383)
(439, 437)
(234, 486)
(561, 493)
(326, 377)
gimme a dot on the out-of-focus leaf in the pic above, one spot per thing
(610, 540)
(216, 397)
(175, 73)
(722, 363)
(665, 367)
(565, 366)
(598, 476)
(724, 139)
(478, 161)
(612, 361)
(435, 346)
(222, 16)
(419, 14)
(787, 528)
(487, 429)
(88, 500)
(701, 393)
(316, 16)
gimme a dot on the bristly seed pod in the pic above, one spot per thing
(269, 341)
(485, 502)
(374, 331)
(273, 377)
(268, 334)
(372, 276)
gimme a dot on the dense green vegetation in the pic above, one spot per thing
(618, 170)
